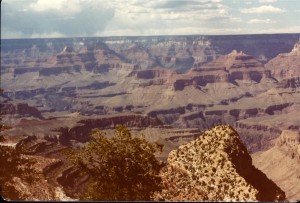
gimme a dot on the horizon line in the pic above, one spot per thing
(149, 36)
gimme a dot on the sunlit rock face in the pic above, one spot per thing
(216, 167)
(286, 65)
(231, 67)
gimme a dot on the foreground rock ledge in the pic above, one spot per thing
(216, 167)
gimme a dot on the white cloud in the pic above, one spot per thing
(172, 31)
(152, 17)
(291, 29)
(8, 34)
(263, 9)
(235, 20)
(166, 16)
(62, 6)
(69, 18)
(261, 21)
(267, 1)
(171, 9)
(47, 35)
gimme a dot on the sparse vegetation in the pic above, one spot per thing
(13, 164)
(218, 176)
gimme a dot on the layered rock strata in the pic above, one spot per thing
(282, 163)
(286, 65)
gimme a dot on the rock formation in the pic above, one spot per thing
(33, 186)
(282, 163)
(216, 167)
(286, 65)
(233, 60)
(80, 131)
(226, 68)
(20, 110)
(161, 85)
(234, 66)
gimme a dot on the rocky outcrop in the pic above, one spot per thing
(234, 66)
(54, 171)
(73, 182)
(94, 58)
(226, 68)
(38, 190)
(216, 167)
(204, 117)
(69, 61)
(20, 109)
(184, 52)
(154, 73)
(58, 70)
(144, 50)
(139, 55)
(32, 185)
(290, 83)
(94, 80)
(257, 137)
(83, 128)
(286, 65)
(289, 142)
(234, 60)
(44, 146)
(281, 163)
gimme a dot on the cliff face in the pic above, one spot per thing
(97, 58)
(20, 110)
(226, 68)
(83, 127)
(33, 185)
(95, 80)
(289, 142)
(286, 65)
(232, 61)
(184, 52)
(146, 76)
(216, 167)
(234, 66)
(281, 163)
(177, 52)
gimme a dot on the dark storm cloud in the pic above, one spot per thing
(87, 21)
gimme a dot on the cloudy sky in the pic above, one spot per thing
(79, 18)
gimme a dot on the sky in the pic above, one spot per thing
(89, 18)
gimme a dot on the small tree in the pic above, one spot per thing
(120, 168)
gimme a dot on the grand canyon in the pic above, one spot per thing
(226, 109)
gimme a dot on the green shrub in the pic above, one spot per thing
(120, 168)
